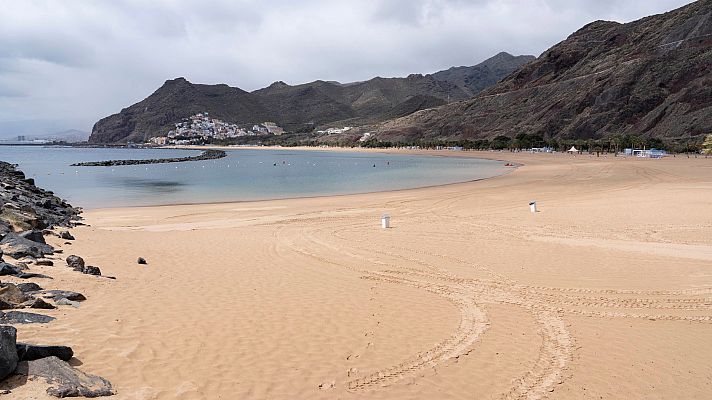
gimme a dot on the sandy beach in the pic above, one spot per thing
(606, 292)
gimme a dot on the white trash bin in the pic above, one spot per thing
(385, 221)
(532, 206)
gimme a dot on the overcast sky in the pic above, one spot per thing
(65, 64)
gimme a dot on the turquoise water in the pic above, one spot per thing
(245, 174)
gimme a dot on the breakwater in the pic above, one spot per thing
(205, 155)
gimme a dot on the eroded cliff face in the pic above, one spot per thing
(651, 77)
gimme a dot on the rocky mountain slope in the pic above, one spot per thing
(478, 78)
(651, 77)
(301, 107)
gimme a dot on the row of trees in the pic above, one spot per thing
(610, 144)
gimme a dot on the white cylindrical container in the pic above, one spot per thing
(532, 206)
(385, 221)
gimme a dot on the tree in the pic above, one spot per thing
(501, 142)
(707, 145)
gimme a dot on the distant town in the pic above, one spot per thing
(200, 127)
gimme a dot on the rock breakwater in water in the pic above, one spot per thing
(206, 155)
(29, 215)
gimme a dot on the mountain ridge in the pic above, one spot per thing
(651, 77)
(299, 107)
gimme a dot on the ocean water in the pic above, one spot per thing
(245, 174)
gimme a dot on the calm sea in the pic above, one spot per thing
(245, 174)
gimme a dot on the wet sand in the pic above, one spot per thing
(606, 292)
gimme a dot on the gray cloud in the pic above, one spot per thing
(73, 62)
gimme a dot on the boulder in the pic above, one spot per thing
(76, 263)
(8, 352)
(33, 235)
(63, 294)
(66, 235)
(29, 287)
(21, 317)
(29, 352)
(44, 262)
(66, 381)
(4, 305)
(64, 302)
(141, 260)
(8, 269)
(92, 270)
(40, 304)
(10, 293)
(17, 247)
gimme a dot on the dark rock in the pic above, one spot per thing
(205, 155)
(10, 293)
(35, 236)
(45, 263)
(91, 270)
(63, 294)
(41, 304)
(8, 353)
(142, 260)
(27, 207)
(76, 263)
(5, 228)
(29, 287)
(66, 381)
(4, 305)
(66, 235)
(8, 269)
(17, 247)
(28, 275)
(21, 317)
(29, 352)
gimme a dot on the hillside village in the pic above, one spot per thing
(200, 128)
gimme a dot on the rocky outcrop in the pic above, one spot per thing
(651, 77)
(26, 211)
(65, 380)
(205, 155)
(26, 207)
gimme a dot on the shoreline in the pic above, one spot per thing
(291, 261)
(310, 298)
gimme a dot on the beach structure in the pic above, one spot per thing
(385, 221)
(532, 206)
(643, 153)
(573, 150)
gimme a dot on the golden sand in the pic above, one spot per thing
(604, 293)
